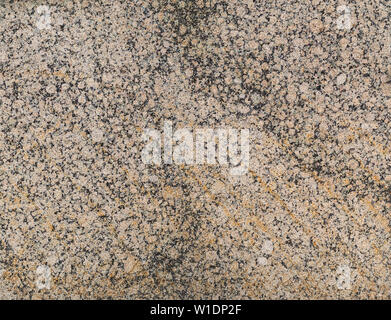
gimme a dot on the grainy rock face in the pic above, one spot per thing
(81, 215)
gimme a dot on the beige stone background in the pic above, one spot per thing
(82, 217)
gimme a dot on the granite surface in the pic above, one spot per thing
(83, 217)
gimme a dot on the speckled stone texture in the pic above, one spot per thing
(82, 217)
